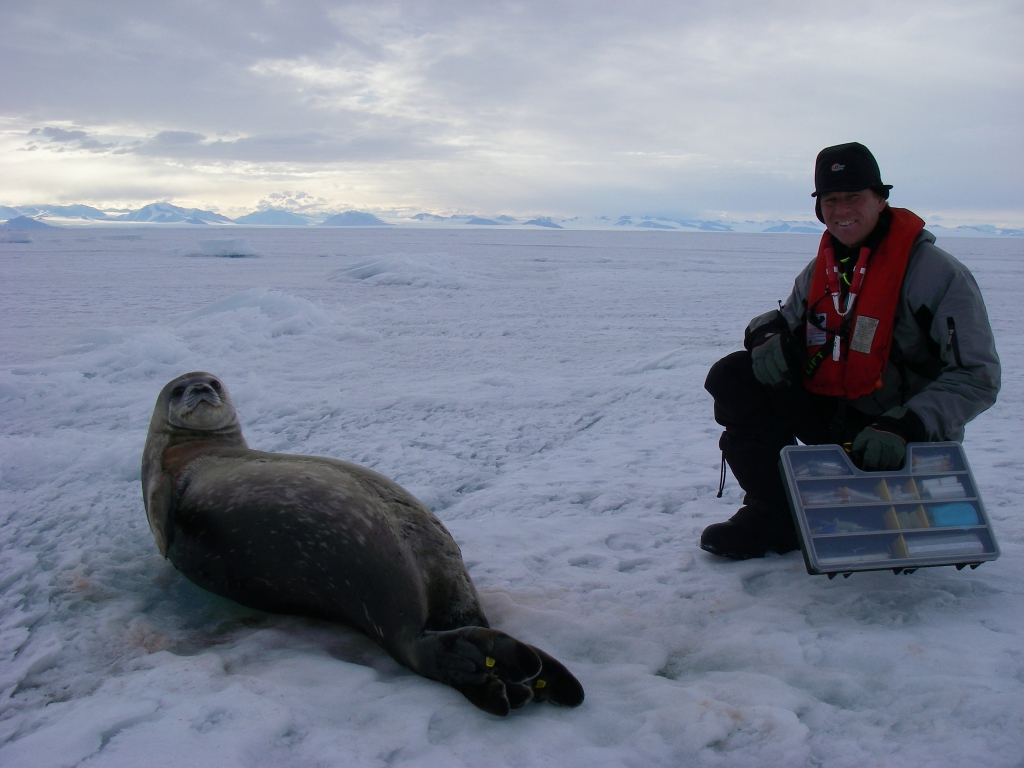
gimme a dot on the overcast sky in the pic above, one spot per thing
(660, 107)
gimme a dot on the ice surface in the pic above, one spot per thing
(231, 247)
(541, 391)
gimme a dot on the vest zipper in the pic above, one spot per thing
(952, 343)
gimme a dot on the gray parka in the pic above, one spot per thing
(944, 365)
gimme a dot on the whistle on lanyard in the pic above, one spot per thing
(832, 274)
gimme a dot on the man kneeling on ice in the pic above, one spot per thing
(884, 340)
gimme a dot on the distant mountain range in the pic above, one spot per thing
(33, 216)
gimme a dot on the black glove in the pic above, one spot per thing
(877, 450)
(883, 445)
(773, 352)
(769, 363)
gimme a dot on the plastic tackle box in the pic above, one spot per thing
(928, 513)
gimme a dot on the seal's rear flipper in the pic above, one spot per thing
(495, 697)
(555, 683)
(489, 695)
(518, 694)
(468, 654)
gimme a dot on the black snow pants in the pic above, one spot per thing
(760, 421)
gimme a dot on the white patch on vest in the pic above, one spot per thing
(816, 336)
(863, 334)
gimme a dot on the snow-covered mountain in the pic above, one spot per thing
(25, 222)
(65, 211)
(985, 230)
(700, 225)
(354, 219)
(275, 217)
(165, 213)
(542, 221)
(639, 222)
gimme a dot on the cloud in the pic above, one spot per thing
(389, 143)
(74, 139)
(59, 134)
(295, 201)
(176, 139)
(684, 106)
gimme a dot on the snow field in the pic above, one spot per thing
(542, 393)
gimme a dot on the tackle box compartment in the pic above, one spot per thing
(927, 513)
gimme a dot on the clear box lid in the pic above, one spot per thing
(927, 513)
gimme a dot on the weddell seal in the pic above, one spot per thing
(328, 539)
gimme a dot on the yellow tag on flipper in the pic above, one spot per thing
(539, 684)
(489, 662)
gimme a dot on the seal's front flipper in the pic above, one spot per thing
(555, 683)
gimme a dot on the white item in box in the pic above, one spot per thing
(943, 488)
(962, 544)
(868, 557)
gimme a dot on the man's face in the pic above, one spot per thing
(851, 216)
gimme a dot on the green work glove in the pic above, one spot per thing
(874, 449)
(769, 363)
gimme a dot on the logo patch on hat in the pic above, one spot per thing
(837, 166)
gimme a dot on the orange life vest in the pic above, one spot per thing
(865, 338)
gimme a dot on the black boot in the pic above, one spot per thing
(763, 524)
(752, 532)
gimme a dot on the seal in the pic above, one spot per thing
(324, 538)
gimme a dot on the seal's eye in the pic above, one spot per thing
(215, 384)
(177, 392)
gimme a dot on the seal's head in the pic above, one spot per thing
(196, 402)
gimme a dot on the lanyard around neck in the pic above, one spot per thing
(832, 275)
